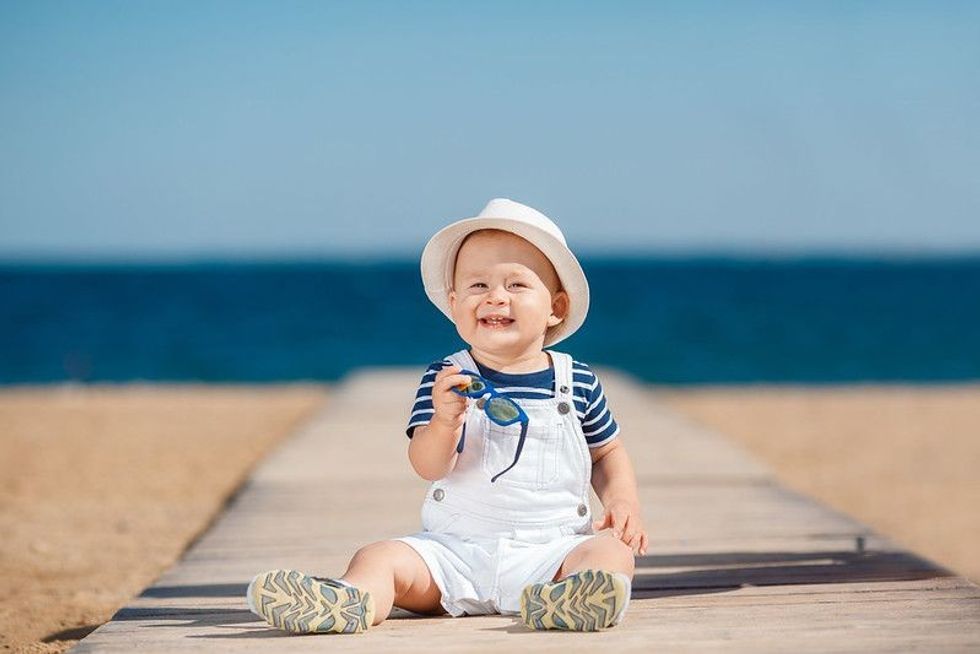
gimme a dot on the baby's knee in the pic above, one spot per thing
(616, 551)
(387, 550)
(394, 557)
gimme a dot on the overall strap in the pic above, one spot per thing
(563, 375)
(463, 360)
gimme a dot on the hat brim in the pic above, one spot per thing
(439, 257)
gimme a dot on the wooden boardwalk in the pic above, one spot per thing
(736, 562)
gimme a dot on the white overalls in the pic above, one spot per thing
(484, 542)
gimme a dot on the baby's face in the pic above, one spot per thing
(505, 294)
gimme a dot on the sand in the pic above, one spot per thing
(904, 460)
(102, 488)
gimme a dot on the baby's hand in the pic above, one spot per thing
(450, 408)
(626, 523)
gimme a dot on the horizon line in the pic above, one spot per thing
(216, 259)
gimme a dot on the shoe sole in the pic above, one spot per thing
(589, 600)
(297, 603)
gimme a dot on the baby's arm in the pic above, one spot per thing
(432, 449)
(615, 484)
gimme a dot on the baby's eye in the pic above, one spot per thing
(521, 284)
(477, 285)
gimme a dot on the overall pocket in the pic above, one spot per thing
(538, 465)
(437, 517)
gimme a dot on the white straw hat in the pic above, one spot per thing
(439, 258)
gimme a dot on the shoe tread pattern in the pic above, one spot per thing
(585, 601)
(297, 603)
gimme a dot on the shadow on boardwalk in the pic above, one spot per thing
(731, 571)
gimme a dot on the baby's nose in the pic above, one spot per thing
(496, 296)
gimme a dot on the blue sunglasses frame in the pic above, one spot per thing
(479, 388)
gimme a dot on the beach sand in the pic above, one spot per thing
(904, 460)
(101, 488)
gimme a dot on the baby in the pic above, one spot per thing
(511, 435)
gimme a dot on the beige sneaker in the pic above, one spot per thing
(588, 600)
(301, 604)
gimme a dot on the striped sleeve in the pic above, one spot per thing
(591, 406)
(422, 410)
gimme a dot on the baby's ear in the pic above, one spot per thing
(452, 300)
(559, 308)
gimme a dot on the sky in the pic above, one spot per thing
(138, 130)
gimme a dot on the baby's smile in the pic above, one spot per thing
(496, 322)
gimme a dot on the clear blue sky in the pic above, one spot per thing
(315, 129)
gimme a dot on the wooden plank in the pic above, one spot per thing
(736, 562)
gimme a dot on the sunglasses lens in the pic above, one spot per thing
(503, 409)
(472, 387)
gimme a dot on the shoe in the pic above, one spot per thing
(588, 600)
(301, 604)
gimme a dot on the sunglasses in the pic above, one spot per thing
(498, 407)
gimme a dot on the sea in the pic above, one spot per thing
(664, 320)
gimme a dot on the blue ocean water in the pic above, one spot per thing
(678, 321)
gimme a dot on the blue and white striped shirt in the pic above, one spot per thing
(591, 408)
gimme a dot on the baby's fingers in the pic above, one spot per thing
(448, 371)
(629, 533)
(620, 520)
(633, 540)
(449, 377)
(447, 385)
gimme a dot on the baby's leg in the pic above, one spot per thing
(394, 574)
(603, 552)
